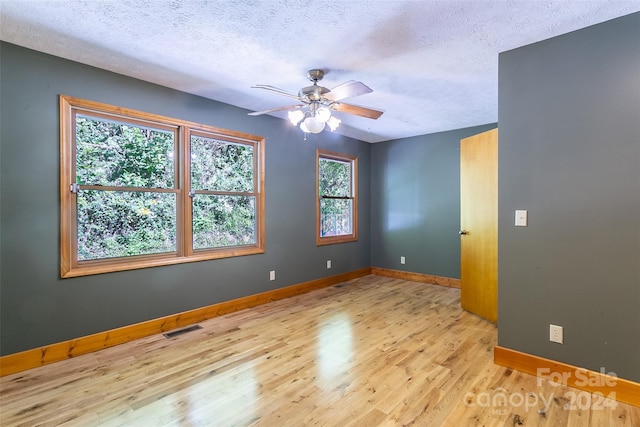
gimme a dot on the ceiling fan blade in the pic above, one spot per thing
(347, 90)
(357, 110)
(288, 107)
(277, 90)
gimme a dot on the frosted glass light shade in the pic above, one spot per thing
(323, 114)
(295, 116)
(333, 123)
(312, 125)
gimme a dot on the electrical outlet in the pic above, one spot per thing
(402, 260)
(272, 275)
(328, 263)
(555, 334)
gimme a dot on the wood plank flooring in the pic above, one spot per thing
(374, 351)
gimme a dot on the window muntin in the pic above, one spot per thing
(336, 188)
(126, 182)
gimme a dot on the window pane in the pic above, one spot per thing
(120, 223)
(220, 221)
(220, 165)
(334, 178)
(125, 155)
(335, 217)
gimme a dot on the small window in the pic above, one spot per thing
(337, 201)
(140, 190)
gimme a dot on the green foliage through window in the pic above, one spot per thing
(155, 188)
(122, 223)
(335, 178)
(123, 155)
(220, 165)
(223, 221)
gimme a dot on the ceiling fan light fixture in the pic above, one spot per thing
(295, 116)
(315, 103)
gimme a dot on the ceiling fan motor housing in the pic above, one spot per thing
(313, 92)
(315, 75)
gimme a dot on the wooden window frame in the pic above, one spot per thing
(70, 266)
(353, 160)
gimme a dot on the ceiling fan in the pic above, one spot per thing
(316, 103)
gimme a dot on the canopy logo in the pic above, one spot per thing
(501, 401)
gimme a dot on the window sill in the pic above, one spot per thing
(88, 268)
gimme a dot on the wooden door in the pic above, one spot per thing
(479, 224)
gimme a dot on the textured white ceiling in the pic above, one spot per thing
(433, 65)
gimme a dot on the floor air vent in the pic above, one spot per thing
(340, 285)
(182, 331)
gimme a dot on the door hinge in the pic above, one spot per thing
(74, 188)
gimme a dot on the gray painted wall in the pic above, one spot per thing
(38, 308)
(415, 202)
(569, 114)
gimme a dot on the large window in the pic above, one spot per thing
(141, 190)
(337, 201)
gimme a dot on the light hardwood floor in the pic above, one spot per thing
(373, 351)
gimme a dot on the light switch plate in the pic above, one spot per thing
(521, 218)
